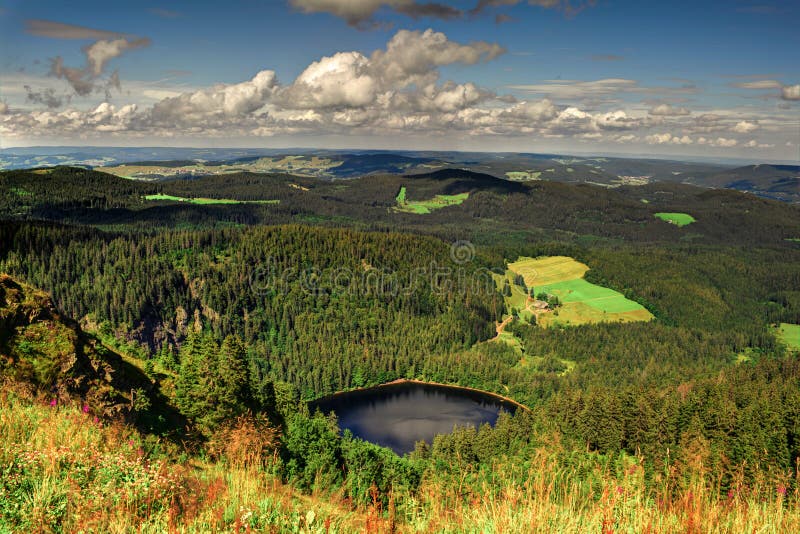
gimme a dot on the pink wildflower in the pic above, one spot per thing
(53, 402)
(781, 490)
(85, 408)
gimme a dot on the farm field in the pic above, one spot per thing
(582, 301)
(422, 207)
(790, 334)
(207, 201)
(550, 270)
(678, 219)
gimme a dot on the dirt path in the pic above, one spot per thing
(500, 327)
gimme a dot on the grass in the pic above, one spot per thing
(790, 334)
(582, 301)
(599, 297)
(66, 470)
(207, 201)
(678, 219)
(550, 270)
(422, 207)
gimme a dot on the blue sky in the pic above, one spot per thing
(531, 75)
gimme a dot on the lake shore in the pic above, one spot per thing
(400, 381)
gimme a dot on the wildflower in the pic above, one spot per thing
(85, 408)
(53, 403)
(96, 419)
(781, 490)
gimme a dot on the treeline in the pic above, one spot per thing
(535, 210)
(321, 309)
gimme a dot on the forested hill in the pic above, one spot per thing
(212, 308)
(490, 207)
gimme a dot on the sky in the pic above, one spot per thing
(714, 79)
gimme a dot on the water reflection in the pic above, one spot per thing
(399, 415)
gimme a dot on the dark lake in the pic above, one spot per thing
(399, 415)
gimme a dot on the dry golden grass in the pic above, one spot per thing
(550, 270)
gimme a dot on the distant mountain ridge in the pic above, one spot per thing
(776, 181)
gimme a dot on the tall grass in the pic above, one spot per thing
(64, 470)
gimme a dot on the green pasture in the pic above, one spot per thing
(678, 219)
(602, 298)
(422, 207)
(790, 334)
(206, 201)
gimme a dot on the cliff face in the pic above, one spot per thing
(44, 352)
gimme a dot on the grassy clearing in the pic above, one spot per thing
(582, 301)
(207, 201)
(543, 271)
(678, 219)
(790, 334)
(421, 207)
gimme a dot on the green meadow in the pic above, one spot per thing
(422, 207)
(678, 219)
(207, 201)
(790, 334)
(582, 301)
(599, 297)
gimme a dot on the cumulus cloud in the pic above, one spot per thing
(668, 138)
(359, 13)
(395, 90)
(718, 142)
(745, 127)
(755, 144)
(666, 110)
(791, 92)
(219, 103)
(350, 79)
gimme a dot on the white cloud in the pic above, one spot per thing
(668, 138)
(718, 142)
(394, 92)
(755, 144)
(666, 110)
(100, 52)
(745, 127)
(791, 92)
